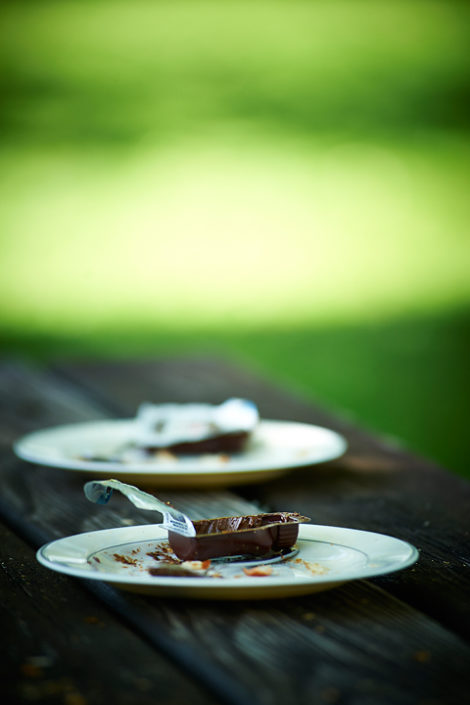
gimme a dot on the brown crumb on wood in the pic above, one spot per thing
(308, 616)
(422, 656)
(74, 698)
(330, 695)
(91, 619)
(30, 670)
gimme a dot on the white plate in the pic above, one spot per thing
(274, 448)
(328, 556)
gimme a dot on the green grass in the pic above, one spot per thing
(117, 72)
(264, 233)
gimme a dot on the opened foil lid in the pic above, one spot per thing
(163, 425)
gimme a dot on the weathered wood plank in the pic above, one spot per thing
(418, 504)
(65, 647)
(353, 645)
(44, 503)
(378, 485)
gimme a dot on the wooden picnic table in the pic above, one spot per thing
(395, 639)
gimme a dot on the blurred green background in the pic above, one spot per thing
(281, 183)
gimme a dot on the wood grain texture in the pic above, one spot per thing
(54, 631)
(357, 644)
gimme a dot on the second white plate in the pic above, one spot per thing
(274, 448)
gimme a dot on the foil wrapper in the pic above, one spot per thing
(100, 492)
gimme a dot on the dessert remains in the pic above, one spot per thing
(250, 535)
(163, 432)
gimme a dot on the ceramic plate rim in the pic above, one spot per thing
(336, 447)
(313, 532)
